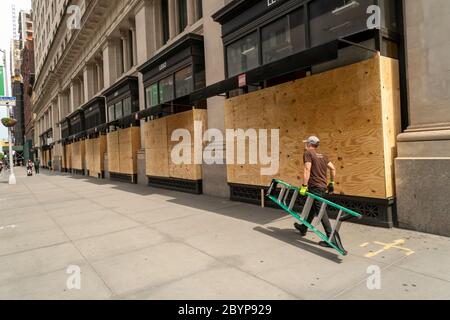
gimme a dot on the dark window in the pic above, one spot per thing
(151, 94)
(127, 110)
(200, 9)
(183, 82)
(243, 55)
(131, 47)
(166, 91)
(182, 14)
(283, 37)
(111, 113)
(200, 77)
(165, 20)
(330, 20)
(119, 111)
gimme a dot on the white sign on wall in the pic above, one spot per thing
(7, 101)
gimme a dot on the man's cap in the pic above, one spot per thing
(312, 140)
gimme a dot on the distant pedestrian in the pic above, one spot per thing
(37, 165)
(49, 165)
(30, 166)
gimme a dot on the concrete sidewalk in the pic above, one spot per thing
(133, 242)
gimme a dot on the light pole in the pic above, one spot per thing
(12, 177)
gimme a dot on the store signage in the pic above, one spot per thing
(163, 66)
(271, 2)
(242, 80)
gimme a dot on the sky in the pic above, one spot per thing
(6, 33)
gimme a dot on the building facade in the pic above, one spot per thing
(423, 164)
(116, 79)
(24, 34)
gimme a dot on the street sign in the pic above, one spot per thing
(242, 80)
(7, 101)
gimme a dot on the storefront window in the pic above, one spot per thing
(282, 38)
(184, 82)
(329, 23)
(166, 89)
(119, 113)
(151, 94)
(127, 107)
(243, 55)
(111, 113)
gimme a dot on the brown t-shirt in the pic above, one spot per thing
(319, 169)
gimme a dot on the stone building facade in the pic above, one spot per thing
(122, 56)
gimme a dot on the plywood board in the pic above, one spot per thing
(100, 149)
(390, 92)
(344, 107)
(68, 153)
(113, 151)
(129, 142)
(78, 155)
(156, 150)
(159, 145)
(90, 155)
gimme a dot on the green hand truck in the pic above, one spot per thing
(287, 198)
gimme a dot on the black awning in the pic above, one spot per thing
(127, 86)
(94, 113)
(296, 62)
(189, 45)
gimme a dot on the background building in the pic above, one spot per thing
(23, 34)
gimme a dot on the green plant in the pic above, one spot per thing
(9, 122)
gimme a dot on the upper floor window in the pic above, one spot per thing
(243, 55)
(182, 14)
(165, 21)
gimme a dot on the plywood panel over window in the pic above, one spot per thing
(123, 146)
(78, 155)
(113, 151)
(95, 151)
(355, 110)
(158, 145)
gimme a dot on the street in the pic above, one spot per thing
(135, 242)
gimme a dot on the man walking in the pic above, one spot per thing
(37, 165)
(316, 182)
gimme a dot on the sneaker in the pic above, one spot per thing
(301, 229)
(325, 244)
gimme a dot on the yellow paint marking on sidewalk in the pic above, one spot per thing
(398, 244)
(364, 245)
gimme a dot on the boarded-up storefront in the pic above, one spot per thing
(79, 157)
(160, 169)
(95, 152)
(123, 146)
(355, 110)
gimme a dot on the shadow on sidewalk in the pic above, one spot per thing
(290, 237)
(224, 207)
(236, 210)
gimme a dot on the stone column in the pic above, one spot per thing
(89, 79)
(100, 80)
(133, 57)
(423, 165)
(110, 62)
(191, 12)
(173, 19)
(215, 176)
(74, 96)
(124, 38)
(148, 38)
